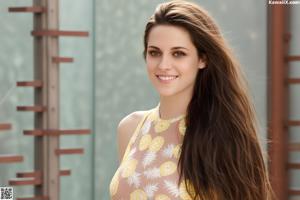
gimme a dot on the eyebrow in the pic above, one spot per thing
(173, 48)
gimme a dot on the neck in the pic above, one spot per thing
(173, 106)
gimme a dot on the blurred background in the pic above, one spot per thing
(108, 80)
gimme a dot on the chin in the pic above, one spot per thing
(166, 93)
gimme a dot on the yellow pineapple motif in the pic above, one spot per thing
(153, 116)
(145, 142)
(114, 184)
(138, 195)
(176, 151)
(162, 197)
(129, 168)
(167, 168)
(183, 191)
(156, 144)
(161, 125)
(182, 127)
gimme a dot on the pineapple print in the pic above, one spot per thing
(145, 142)
(167, 168)
(149, 164)
(146, 127)
(182, 127)
(176, 151)
(161, 125)
(138, 195)
(129, 168)
(156, 144)
(162, 197)
(154, 115)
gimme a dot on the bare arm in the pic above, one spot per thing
(125, 130)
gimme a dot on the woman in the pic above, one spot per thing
(200, 142)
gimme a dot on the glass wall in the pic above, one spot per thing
(77, 98)
(16, 64)
(294, 95)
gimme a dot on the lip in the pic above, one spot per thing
(166, 81)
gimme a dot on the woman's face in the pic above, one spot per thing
(172, 60)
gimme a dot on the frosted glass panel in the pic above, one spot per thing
(76, 102)
(16, 64)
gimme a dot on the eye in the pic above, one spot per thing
(153, 53)
(178, 54)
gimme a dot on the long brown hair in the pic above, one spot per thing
(221, 156)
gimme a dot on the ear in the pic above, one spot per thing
(201, 64)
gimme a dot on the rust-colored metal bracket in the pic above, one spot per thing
(36, 84)
(38, 174)
(9, 158)
(293, 123)
(294, 147)
(33, 9)
(24, 181)
(56, 33)
(69, 151)
(293, 165)
(294, 192)
(32, 108)
(62, 59)
(33, 198)
(292, 58)
(293, 80)
(57, 132)
(5, 127)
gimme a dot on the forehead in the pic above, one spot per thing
(169, 36)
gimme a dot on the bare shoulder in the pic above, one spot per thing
(126, 128)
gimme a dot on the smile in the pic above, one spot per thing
(166, 78)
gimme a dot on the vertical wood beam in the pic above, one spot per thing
(278, 99)
(44, 69)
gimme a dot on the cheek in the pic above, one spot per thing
(150, 63)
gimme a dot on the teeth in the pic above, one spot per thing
(166, 78)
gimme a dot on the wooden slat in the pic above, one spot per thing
(32, 174)
(294, 146)
(293, 80)
(31, 108)
(294, 191)
(62, 59)
(57, 132)
(293, 165)
(69, 151)
(33, 198)
(60, 33)
(11, 158)
(5, 126)
(36, 83)
(292, 58)
(34, 9)
(24, 181)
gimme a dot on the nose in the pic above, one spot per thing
(165, 63)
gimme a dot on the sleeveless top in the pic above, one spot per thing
(149, 167)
